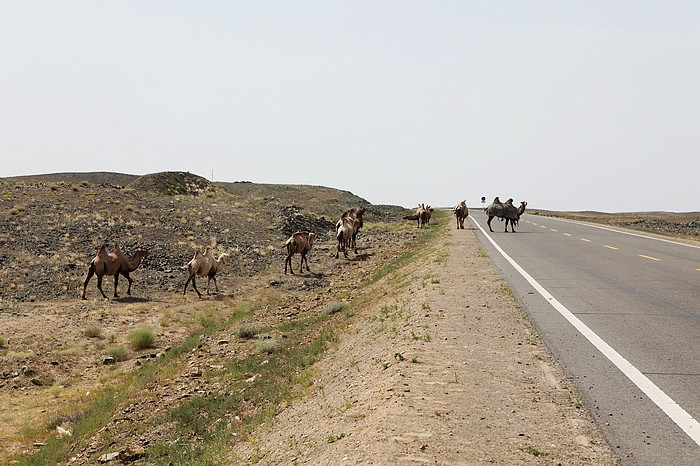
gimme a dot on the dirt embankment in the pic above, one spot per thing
(447, 370)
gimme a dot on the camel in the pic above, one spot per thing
(356, 215)
(345, 229)
(359, 223)
(422, 215)
(204, 265)
(113, 263)
(428, 214)
(505, 211)
(300, 242)
(461, 212)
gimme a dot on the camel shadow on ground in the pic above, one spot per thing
(361, 257)
(131, 299)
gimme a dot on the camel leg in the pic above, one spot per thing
(91, 272)
(288, 261)
(488, 222)
(301, 263)
(212, 277)
(116, 282)
(99, 286)
(186, 283)
(128, 290)
(194, 285)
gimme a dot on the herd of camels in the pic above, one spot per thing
(204, 264)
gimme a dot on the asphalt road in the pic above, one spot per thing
(621, 313)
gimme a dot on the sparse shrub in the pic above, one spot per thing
(334, 438)
(536, 452)
(142, 338)
(3, 341)
(249, 330)
(118, 353)
(93, 331)
(204, 319)
(335, 307)
(266, 345)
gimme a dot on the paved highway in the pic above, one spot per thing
(621, 313)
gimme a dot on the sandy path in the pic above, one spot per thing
(446, 370)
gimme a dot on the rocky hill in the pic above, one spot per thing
(54, 224)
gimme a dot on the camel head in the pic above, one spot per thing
(312, 236)
(222, 258)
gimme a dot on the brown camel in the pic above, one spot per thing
(505, 211)
(461, 212)
(113, 263)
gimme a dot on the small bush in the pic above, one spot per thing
(93, 331)
(249, 330)
(204, 319)
(118, 353)
(335, 307)
(142, 338)
(3, 341)
(266, 345)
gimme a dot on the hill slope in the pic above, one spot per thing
(56, 223)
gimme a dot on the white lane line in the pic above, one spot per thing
(677, 414)
(624, 232)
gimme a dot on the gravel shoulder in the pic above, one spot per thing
(445, 371)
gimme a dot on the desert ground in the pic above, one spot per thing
(411, 350)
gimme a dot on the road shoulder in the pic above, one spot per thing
(447, 370)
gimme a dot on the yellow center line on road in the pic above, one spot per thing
(542, 226)
(649, 257)
(567, 234)
(612, 247)
(554, 230)
(698, 270)
(586, 240)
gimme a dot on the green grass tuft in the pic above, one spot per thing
(142, 338)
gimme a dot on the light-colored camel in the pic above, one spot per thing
(204, 265)
(300, 242)
(461, 212)
(505, 211)
(345, 229)
(113, 263)
(422, 215)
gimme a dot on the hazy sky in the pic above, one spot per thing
(570, 105)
